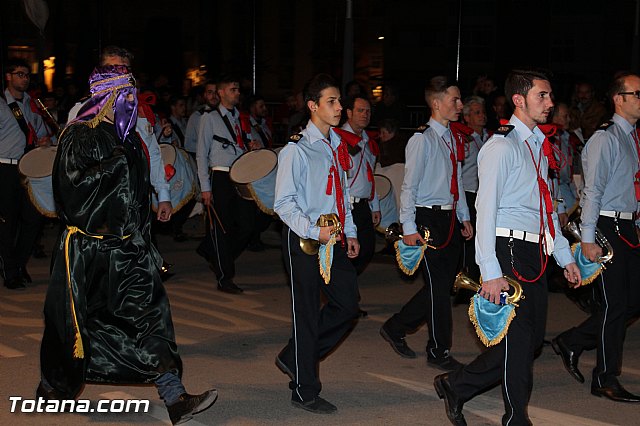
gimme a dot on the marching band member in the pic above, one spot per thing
(611, 164)
(433, 196)
(516, 230)
(311, 181)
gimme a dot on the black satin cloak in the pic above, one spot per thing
(101, 186)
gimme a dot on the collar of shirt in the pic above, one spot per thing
(314, 135)
(524, 133)
(225, 111)
(439, 128)
(10, 98)
(364, 137)
(624, 124)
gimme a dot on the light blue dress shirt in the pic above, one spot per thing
(301, 184)
(609, 162)
(212, 153)
(191, 134)
(508, 195)
(427, 175)
(156, 165)
(359, 185)
(470, 163)
(12, 139)
(262, 125)
(567, 189)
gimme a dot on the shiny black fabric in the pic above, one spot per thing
(101, 185)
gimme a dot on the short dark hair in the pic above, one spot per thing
(520, 81)
(618, 84)
(438, 85)
(111, 50)
(351, 100)
(15, 63)
(391, 124)
(314, 87)
(225, 80)
(253, 99)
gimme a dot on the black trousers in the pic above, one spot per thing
(469, 265)
(316, 330)
(618, 293)
(511, 361)
(232, 231)
(432, 303)
(361, 214)
(20, 223)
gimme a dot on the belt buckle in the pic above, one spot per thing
(436, 208)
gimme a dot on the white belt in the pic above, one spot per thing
(444, 207)
(220, 169)
(356, 199)
(8, 161)
(620, 215)
(526, 236)
(470, 190)
(518, 235)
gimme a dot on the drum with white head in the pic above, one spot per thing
(254, 174)
(388, 207)
(36, 166)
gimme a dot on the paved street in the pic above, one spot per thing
(229, 342)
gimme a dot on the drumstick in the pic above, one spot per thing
(209, 208)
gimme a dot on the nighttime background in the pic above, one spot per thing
(577, 40)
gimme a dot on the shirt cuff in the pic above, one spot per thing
(409, 228)
(588, 234)
(564, 257)
(490, 270)
(164, 195)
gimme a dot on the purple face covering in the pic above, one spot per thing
(111, 87)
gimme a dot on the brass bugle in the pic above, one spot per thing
(309, 245)
(463, 281)
(573, 228)
(393, 233)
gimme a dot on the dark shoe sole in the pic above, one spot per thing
(205, 404)
(437, 384)
(391, 342)
(230, 290)
(310, 409)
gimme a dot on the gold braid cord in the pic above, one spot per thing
(78, 348)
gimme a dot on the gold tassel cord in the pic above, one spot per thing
(325, 270)
(78, 348)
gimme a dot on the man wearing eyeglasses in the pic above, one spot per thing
(611, 163)
(20, 130)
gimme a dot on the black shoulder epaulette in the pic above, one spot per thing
(605, 125)
(422, 128)
(295, 138)
(504, 130)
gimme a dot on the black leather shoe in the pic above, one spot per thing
(317, 405)
(447, 363)
(615, 392)
(189, 405)
(49, 394)
(452, 403)
(399, 345)
(569, 358)
(229, 287)
(15, 283)
(362, 313)
(282, 366)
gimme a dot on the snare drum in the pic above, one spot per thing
(388, 207)
(254, 174)
(36, 166)
(183, 183)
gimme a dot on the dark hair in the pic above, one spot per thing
(350, 101)
(314, 87)
(618, 84)
(110, 51)
(520, 81)
(225, 80)
(173, 100)
(15, 63)
(390, 124)
(253, 99)
(437, 86)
